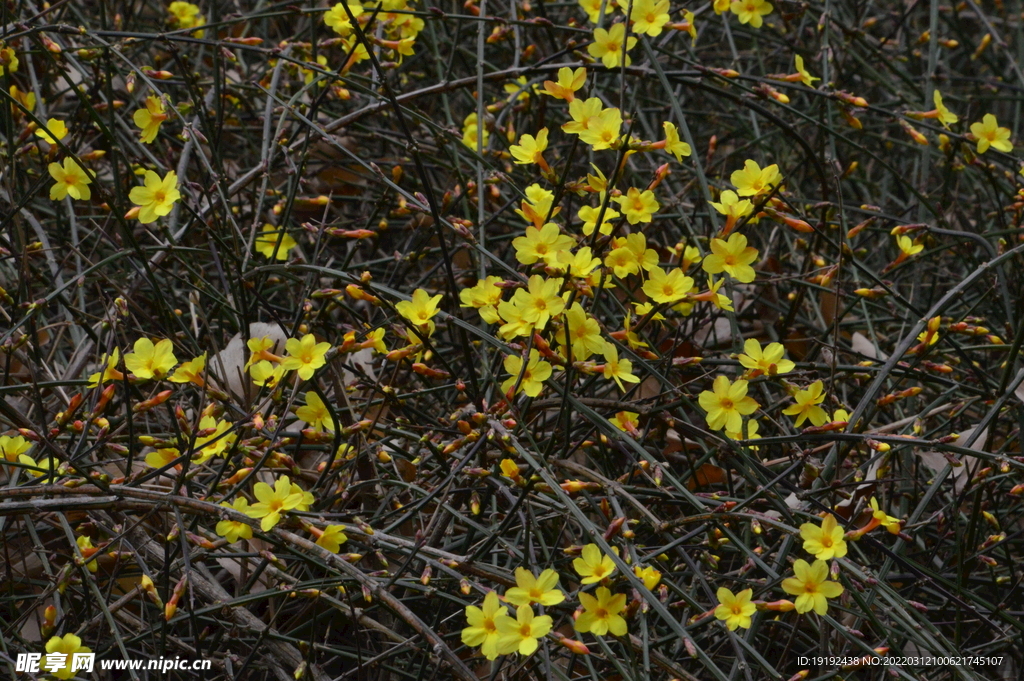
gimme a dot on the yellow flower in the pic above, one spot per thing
(542, 244)
(753, 181)
(338, 19)
(217, 443)
(632, 339)
(589, 215)
(8, 60)
(673, 144)
(885, 520)
(55, 130)
(315, 413)
(87, 550)
(751, 11)
(540, 301)
(989, 134)
(233, 530)
(609, 47)
(946, 117)
(520, 85)
(601, 615)
(581, 264)
(305, 355)
(592, 565)
(752, 428)
(149, 360)
(770, 361)
(273, 502)
(190, 372)
(38, 469)
(584, 333)
(721, 6)
(70, 179)
(735, 609)
(602, 130)
(156, 197)
(264, 373)
(420, 309)
(377, 338)
(537, 204)
(332, 538)
(162, 457)
(626, 421)
(352, 46)
(510, 469)
(691, 256)
(530, 149)
(13, 447)
(26, 99)
(811, 586)
(260, 348)
(806, 406)
(529, 589)
(648, 575)
(637, 205)
(649, 16)
(908, 247)
(514, 323)
(805, 77)
(662, 287)
(582, 112)
(593, 8)
(732, 257)
(149, 118)
(568, 83)
(537, 371)
(733, 208)
(623, 262)
(470, 132)
(484, 296)
(616, 369)
(483, 627)
(825, 542)
(486, 293)
(186, 15)
(67, 645)
(274, 243)
(521, 634)
(719, 300)
(306, 499)
(726, 404)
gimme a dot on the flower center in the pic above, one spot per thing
(601, 614)
(489, 625)
(726, 403)
(159, 197)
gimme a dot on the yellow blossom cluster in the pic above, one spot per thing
(496, 632)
